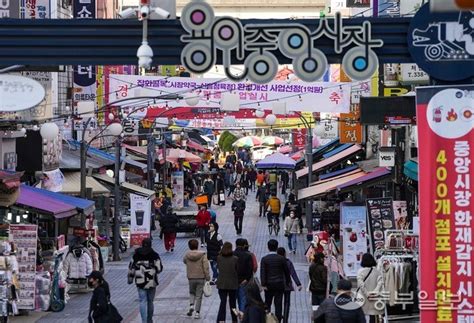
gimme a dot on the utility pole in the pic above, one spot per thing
(117, 200)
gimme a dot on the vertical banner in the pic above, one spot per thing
(177, 180)
(34, 9)
(445, 117)
(350, 129)
(299, 138)
(140, 222)
(353, 236)
(25, 239)
(84, 76)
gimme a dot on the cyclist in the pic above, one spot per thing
(273, 206)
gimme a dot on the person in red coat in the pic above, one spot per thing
(203, 218)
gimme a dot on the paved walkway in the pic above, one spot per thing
(171, 301)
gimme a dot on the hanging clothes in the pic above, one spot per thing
(78, 263)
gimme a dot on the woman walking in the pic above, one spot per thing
(203, 218)
(292, 228)
(318, 275)
(214, 245)
(227, 282)
(289, 285)
(197, 271)
(99, 305)
(169, 224)
(369, 284)
(255, 311)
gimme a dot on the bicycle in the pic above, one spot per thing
(274, 226)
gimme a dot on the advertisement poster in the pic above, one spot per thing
(380, 215)
(177, 180)
(24, 236)
(140, 211)
(353, 236)
(299, 96)
(401, 215)
(445, 120)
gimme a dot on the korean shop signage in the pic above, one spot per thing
(442, 43)
(254, 44)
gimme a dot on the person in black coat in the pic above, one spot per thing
(238, 207)
(244, 271)
(98, 308)
(220, 189)
(214, 244)
(255, 309)
(274, 274)
(169, 224)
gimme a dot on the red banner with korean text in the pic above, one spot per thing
(445, 125)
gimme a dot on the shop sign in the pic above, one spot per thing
(412, 74)
(358, 3)
(400, 211)
(9, 9)
(299, 96)
(328, 127)
(177, 180)
(25, 237)
(441, 43)
(140, 223)
(387, 156)
(44, 110)
(389, 8)
(125, 234)
(19, 93)
(34, 9)
(85, 87)
(381, 219)
(445, 117)
(353, 236)
(350, 129)
(253, 44)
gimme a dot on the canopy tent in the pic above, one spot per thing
(332, 159)
(297, 155)
(125, 186)
(72, 184)
(174, 155)
(285, 149)
(51, 203)
(276, 161)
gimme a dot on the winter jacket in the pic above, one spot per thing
(294, 276)
(274, 272)
(197, 265)
(318, 275)
(260, 179)
(214, 244)
(98, 305)
(244, 265)
(203, 218)
(292, 225)
(169, 223)
(145, 267)
(238, 207)
(78, 264)
(239, 194)
(227, 278)
(274, 204)
(262, 194)
(328, 311)
(371, 286)
(209, 187)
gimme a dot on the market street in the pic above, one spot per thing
(171, 302)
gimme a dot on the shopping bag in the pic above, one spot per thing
(215, 199)
(271, 318)
(207, 289)
(222, 196)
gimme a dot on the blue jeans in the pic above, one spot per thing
(146, 297)
(242, 298)
(215, 273)
(292, 241)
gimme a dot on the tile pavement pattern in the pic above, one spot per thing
(171, 302)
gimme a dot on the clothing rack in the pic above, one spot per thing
(392, 255)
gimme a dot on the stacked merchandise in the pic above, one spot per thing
(42, 291)
(8, 280)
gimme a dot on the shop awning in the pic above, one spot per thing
(320, 150)
(71, 159)
(376, 176)
(338, 172)
(126, 187)
(333, 159)
(72, 184)
(50, 203)
(410, 170)
(328, 185)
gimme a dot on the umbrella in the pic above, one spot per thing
(248, 141)
(285, 149)
(174, 155)
(276, 161)
(297, 155)
(272, 141)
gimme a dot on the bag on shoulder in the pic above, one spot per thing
(113, 315)
(271, 318)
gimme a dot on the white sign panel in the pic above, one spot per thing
(19, 93)
(299, 96)
(328, 127)
(140, 211)
(177, 179)
(386, 157)
(353, 236)
(411, 73)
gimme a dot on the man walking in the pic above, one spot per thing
(244, 271)
(238, 207)
(274, 275)
(144, 269)
(262, 198)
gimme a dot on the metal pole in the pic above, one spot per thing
(150, 162)
(83, 168)
(309, 161)
(117, 200)
(165, 170)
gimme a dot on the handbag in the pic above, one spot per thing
(271, 318)
(222, 196)
(207, 289)
(215, 199)
(113, 315)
